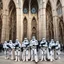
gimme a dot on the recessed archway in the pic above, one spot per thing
(49, 22)
(12, 20)
(60, 20)
(34, 27)
(24, 28)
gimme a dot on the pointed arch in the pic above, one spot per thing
(11, 6)
(59, 8)
(49, 22)
(25, 28)
(60, 20)
(12, 20)
(34, 27)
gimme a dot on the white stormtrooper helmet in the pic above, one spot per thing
(10, 41)
(25, 39)
(57, 42)
(52, 39)
(16, 40)
(5, 42)
(44, 40)
(33, 38)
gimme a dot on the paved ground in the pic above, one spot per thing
(3, 61)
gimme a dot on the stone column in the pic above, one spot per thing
(29, 22)
(42, 20)
(39, 23)
(44, 23)
(4, 20)
(55, 25)
(19, 22)
(7, 25)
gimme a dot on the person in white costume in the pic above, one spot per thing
(58, 50)
(10, 45)
(33, 45)
(26, 48)
(52, 46)
(17, 50)
(8, 49)
(43, 49)
(5, 49)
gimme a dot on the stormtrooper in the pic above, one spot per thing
(43, 49)
(52, 46)
(8, 48)
(5, 49)
(26, 48)
(10, 45)
(34, 53)
(57, 50)
(17, 46)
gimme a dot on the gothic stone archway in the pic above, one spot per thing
(49, 22)
(12, 20)
(34, 27)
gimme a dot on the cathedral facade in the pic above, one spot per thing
(27, 18)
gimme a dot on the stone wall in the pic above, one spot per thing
(40, 16)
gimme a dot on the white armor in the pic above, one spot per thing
(33, 45)
(43, 49)
(26, 50)
(10, 49)
(52, 46)
(5, 49)
(58, 50)
(17, 50)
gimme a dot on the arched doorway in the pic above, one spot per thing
(1, 7)
(24, 28)
(12, 20)
(60, 20)
(49, 22)
(34, 27)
